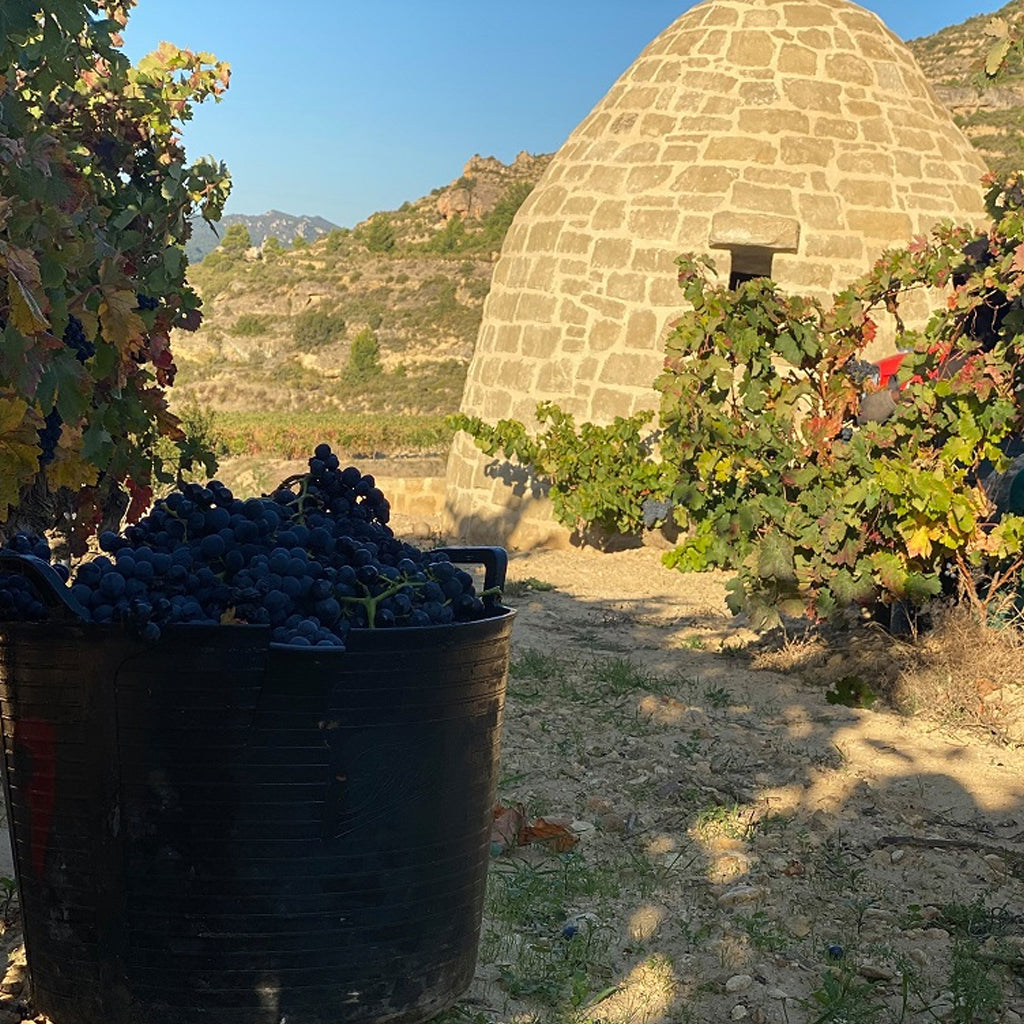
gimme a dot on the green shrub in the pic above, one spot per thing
(378, 235)
(499, 220)
(598, 475)
(250, 325)
(364, 356)
(336, 240)
(314, 328)
(453, 237)
(235, 241)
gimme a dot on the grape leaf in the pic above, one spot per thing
(23, 283)
(71, 385)
(996, 55)
(508, 822)
(997, 27)
(775, 558)
(19, 451)
(919, 544)
(141, 499)
(121, 324)
(97, 443)
(552, 834)
(68, 468)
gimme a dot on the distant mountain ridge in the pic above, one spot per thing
(285, 227)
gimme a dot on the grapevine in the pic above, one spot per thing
(601, 479)
(96, 197)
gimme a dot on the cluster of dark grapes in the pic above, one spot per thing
(979, 250)
(75, 339)
(146, 301)
(49, 436)
(311, 561)
(655, 512)
(861, 371)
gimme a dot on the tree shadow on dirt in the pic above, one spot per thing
(746, 849)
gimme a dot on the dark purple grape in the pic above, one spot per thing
(655, 511)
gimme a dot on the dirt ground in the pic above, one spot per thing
(773, 857)
(734, 847)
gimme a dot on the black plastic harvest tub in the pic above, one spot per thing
(214, 828)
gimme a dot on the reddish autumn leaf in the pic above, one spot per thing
(548, 833)
(510, 828)
(507, 826)
(141, 499)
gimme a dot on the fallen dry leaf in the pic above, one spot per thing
(510, 828)
(549, 833)
(508, 824)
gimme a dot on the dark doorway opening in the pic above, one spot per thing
(749, 262)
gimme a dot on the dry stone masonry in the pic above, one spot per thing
(796, 138)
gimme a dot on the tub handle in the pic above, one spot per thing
(493, 559)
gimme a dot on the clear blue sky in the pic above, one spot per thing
(341, 108)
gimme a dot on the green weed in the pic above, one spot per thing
(546, 951)
(718, 697)
(763, 932)
(538, 666)
(8, 893)
(689, 747)
(522, 893)
(728, 820)
(693, 643)
(519, 588)
(617, 676)
(843, 998)
(977, 994)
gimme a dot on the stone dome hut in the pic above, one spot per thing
(790, 138)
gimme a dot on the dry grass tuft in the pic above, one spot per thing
(958, 673)
(964, 673)
(825, 654)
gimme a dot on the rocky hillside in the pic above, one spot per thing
(990, 113)
(382, 317)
